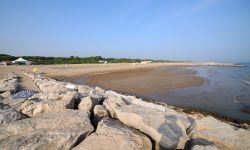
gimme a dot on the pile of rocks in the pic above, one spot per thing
(8, 85)
(68, 116)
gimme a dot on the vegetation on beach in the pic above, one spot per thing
(37, 60)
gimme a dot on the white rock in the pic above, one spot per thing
(206, 147)
(71, 87)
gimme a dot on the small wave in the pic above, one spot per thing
(247, 82)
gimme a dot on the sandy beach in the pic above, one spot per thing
(69, 70)
(153, 81)
(142, 82)
(139, 79)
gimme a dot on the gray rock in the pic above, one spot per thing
(84, 90)
(38, 106)
(221, 134)
(16, 104)
(6, 94)
(113, 101)
(47, 131)
(3, 106)
(88, 103)
(9, 83)
(166, 129)
(10, 115)
(48, 102)
(100, 112)
(112, 135)
(99, 91)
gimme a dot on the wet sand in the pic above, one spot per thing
(142, 82)
(75, 71)
(66, 70)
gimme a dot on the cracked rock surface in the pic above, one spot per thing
(57, 130)
(113, 135)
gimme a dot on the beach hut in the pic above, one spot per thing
(5, 63)
(21, 61)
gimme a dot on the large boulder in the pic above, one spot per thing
(55, 96)
(88, 103)
(16, 104)
(47, 131)
(222, 134)
(9, 83)
(113, 101)
(100, 112)
(84, 90)
(10, 115)
(140, 102)
(55, 102)
(166, 129)
(121, 100)
(3, 106)
(112, 135)
(98, 91)
(6, 94)
(34, 106)
(188, 120)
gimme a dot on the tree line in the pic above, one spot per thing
(38, 60)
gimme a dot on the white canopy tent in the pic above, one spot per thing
(21, 61)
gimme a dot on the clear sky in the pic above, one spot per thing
(209, 30)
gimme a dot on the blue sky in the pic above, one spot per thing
(208, 30)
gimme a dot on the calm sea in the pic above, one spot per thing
(226, 92)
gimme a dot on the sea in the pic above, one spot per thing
(226, 92)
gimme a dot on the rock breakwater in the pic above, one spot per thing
(68, 116)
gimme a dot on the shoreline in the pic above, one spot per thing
(118, 69)
(83, 69)
(62, 108)
(184, 109)
(193, 111)
(141, 81)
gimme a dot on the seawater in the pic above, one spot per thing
(225, 92)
